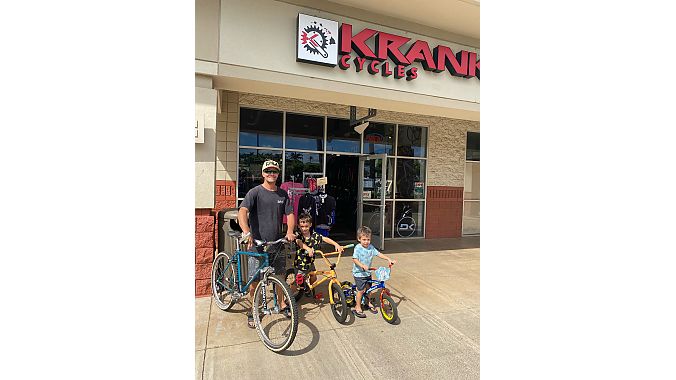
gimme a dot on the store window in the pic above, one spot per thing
(470, 215)
(340, 137)
(408, 219)
(298, 163)
(304, 132)
(412, 141)
(410, 178)
(251, 165)
(379, 138)
(260, 128)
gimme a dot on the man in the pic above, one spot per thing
(266, 205)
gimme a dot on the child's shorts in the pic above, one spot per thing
(361, 282)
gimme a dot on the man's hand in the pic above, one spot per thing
(290, 236)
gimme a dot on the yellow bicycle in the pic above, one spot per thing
(302, 284)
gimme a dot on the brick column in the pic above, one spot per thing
(204, 250)
(444, 212)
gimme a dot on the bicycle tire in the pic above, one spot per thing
(388, 309)
(288, 334)
(349, 294)
(223, 281)
(339, 306)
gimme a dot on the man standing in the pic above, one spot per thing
(266, 205)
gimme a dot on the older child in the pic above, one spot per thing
(362, 257)
(307, 243)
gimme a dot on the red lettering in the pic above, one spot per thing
(399, 71)
(386, 69)
(387, 45)
(457, 64)
(343, 62)
(356, 42)
(412, 73)
(473, 70)
(360, 63)
(420, 51)
(373, 68)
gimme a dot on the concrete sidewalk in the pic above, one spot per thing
(436, 286)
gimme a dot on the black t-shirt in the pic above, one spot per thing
(306, 205)
(266, 209)
(326, 205)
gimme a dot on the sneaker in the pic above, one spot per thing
(359, 314)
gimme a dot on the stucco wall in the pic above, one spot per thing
(446, 141)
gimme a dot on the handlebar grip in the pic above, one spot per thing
(348, 246)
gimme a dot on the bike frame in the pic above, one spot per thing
(239, 275)
(329, 275)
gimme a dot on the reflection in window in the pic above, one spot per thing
(472, 146)
(408, 219)
(372, 218)
(412, 141)
(260, 128)
(304, 132)
(250, 166)
(410, 178)
(298, 163)
(341, 137)
(379, 138)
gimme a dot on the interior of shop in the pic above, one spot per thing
(342, 175)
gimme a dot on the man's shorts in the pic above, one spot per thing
(361, 282)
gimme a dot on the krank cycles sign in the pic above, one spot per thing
(321, 41)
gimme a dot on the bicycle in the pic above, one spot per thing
(336, 297)
(388, 309)
(227, 288)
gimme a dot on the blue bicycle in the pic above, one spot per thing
(388, 308)
(275, 329)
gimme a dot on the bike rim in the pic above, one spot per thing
(275, 329)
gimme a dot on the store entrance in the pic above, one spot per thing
(342, 175)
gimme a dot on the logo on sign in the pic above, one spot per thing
(316, 40)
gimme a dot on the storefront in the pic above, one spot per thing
(285, 92)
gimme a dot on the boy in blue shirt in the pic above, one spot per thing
(362, 257)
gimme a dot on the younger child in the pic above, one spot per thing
(362, 257)
(307, 243)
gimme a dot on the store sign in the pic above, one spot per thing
(317, 40)
(316, 44)
(374, 138)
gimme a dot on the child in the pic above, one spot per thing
(307, 243)
(362, 257)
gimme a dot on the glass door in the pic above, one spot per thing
(371, 204)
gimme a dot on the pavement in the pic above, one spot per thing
(436, 286)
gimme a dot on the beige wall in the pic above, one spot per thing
(446, 141)
(257, 54)
(205, 108)
(207, 17)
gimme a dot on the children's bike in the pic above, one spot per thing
(388, 309)
(228, 287)
(336, 297)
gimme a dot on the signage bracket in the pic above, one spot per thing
(353, 116)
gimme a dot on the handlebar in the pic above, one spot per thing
(333, 253)
(263, 243)
(388, 265)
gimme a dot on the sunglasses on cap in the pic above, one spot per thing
(271, 171)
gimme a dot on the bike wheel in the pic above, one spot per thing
(349, 294)
(338, 307)
(223, 281)
(275, 330)
(388, 308)
(291, 279)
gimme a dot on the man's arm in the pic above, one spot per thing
(291, 226)
(243, 219)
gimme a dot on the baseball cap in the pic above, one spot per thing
(270, 164)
